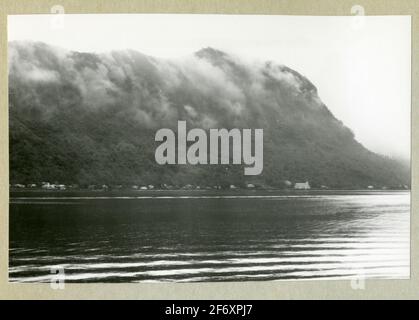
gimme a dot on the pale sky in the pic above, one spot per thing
(360, 65)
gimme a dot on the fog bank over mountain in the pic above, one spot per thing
(362, 70)
(91, 118)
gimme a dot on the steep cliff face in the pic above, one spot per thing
(91, 118)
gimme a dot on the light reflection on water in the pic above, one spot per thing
(209, 237)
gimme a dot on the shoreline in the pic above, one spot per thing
(191, 194)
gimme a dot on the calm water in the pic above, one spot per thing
(208, 236)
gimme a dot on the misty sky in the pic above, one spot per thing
(360, 65)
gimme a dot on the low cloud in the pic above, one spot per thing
(210, 89)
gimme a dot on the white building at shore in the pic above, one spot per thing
(302, 186)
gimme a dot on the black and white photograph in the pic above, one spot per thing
(208, 148)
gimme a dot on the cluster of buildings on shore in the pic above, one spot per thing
(288, 185)
(104, 187)
(43, 185)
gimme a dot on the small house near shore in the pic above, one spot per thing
(302, 186)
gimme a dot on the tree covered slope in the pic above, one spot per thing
(91, 119)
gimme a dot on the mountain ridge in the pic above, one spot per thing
(90, 118)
